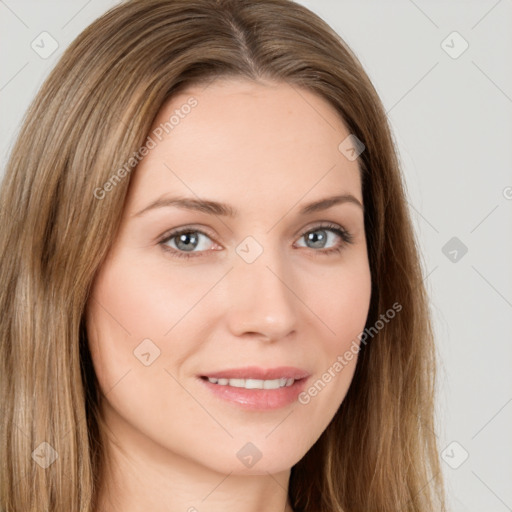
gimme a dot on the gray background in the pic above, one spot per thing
(451, 115)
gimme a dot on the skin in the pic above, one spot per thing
(265, 149)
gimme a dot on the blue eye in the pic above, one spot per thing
(186, 240)
(313, 237)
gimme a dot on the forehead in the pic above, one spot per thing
(252, 141)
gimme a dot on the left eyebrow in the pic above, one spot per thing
(328, 202)
(223, 209)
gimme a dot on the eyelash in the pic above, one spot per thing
(346, 237)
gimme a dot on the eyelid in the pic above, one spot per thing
(345, 235)
(188, 227)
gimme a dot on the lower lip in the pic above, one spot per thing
(257, 399)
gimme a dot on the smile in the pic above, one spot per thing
(253, 383)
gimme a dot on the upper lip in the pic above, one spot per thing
(255, 372)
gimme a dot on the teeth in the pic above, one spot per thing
(253, 383)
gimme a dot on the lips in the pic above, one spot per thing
(254, 389)
(258, 373)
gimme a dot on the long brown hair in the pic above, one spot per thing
(91, 115)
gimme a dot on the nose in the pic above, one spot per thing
(261, 298)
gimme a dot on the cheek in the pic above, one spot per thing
(136, 309)
(344, 303)
(341, 302)
(136, 300)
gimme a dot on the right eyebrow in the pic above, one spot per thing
(189, 203)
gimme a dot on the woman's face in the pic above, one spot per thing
(261, 283)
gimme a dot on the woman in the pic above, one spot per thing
(212, 290)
